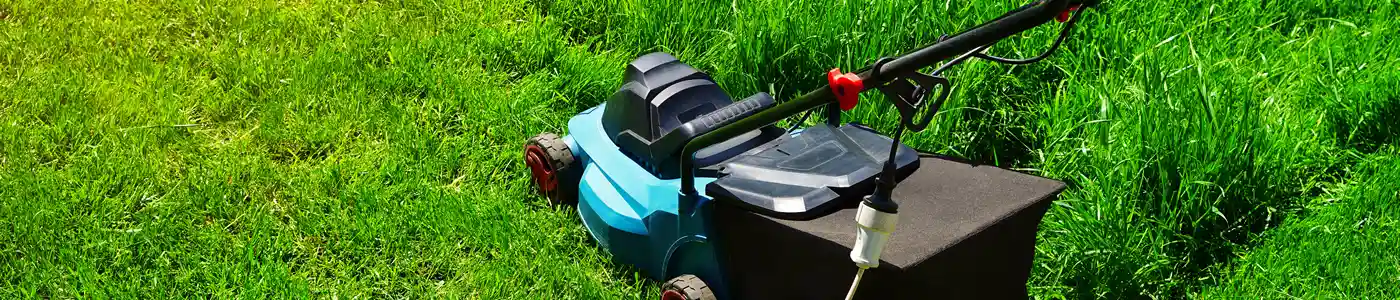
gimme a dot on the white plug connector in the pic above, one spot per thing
(873, 232)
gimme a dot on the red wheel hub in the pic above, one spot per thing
(541, 168)
(672, 295)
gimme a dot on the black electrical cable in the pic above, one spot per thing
(800, 120)
(978, 53)
(1064, 33)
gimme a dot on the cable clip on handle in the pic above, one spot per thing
(910, 94)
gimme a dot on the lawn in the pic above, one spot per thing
(1344, 249)
(371, 149)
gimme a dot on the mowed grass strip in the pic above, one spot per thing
(287, 149)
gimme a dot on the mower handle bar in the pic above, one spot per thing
(1014, 22)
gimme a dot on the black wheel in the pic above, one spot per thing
(550, 162)
(686, 287)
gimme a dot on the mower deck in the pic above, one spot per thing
(968, 232)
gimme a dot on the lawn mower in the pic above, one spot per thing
(673, 177)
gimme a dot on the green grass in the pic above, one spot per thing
(238, 149)
(1344, 247)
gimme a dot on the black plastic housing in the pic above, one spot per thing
(811, 174)
(664, 103)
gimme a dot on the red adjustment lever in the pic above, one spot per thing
(1064, 15)
(846, 86)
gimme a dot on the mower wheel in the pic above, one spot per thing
(686, 287)
(550, 159)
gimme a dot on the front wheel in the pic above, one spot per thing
(686, 287)
(550, 161)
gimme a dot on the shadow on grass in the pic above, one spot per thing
(1371, 126)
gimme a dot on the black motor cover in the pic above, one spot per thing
(659, 94)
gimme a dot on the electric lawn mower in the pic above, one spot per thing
(673, 177)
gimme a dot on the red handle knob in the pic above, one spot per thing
(846, 87)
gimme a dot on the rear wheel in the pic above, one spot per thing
(550, 160)
(686, 287)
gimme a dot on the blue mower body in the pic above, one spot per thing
(633, 214)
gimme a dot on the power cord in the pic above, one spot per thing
(1064, 33)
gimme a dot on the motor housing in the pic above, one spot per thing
(659, 94)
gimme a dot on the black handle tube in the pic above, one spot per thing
(1012, 23)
